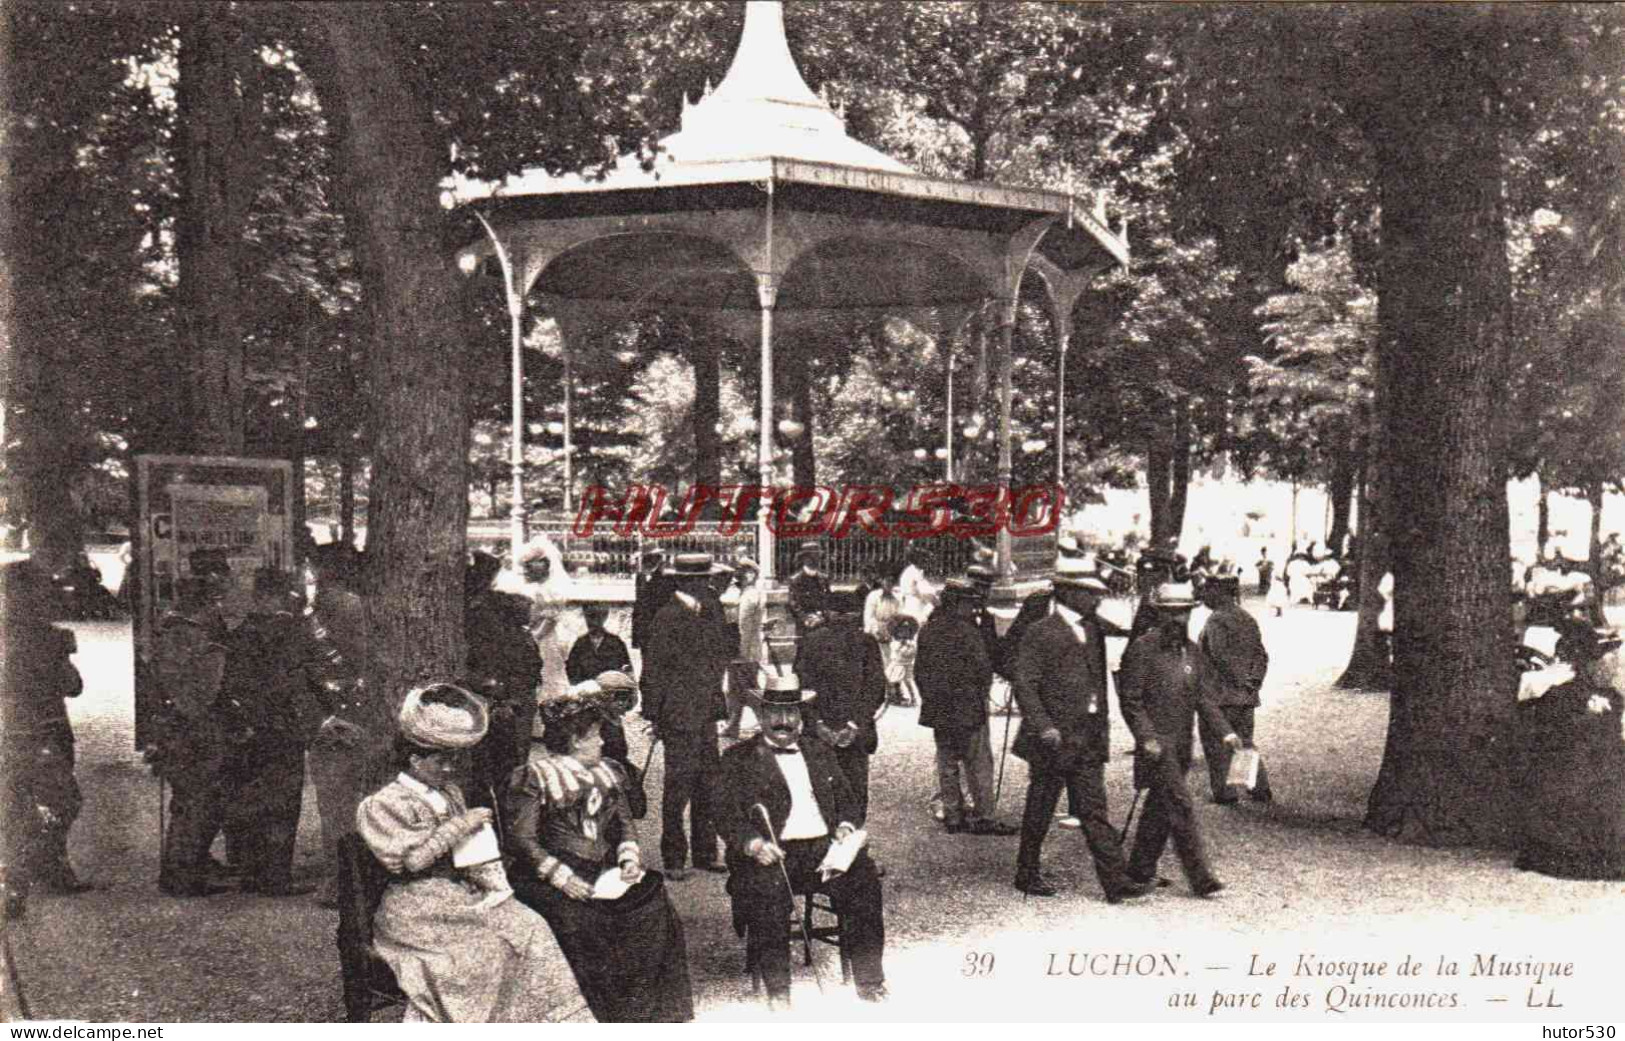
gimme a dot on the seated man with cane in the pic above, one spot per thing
(781, 803)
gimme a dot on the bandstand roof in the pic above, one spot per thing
(762, 180)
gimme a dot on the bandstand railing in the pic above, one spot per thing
(607, 555)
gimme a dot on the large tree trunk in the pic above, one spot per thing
(1594, 561)
(1345, 466)
(347, 495)
(392, 162)
(1443, 286)
(707, 411)
(1368, 667)
(216, 188)
(1158, 476)
(1179, 477)
(43, 444)
(1168, 475)
(1543, 514)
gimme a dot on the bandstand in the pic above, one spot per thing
(763, 213)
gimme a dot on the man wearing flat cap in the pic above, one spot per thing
(781, 801)
(1060, 683)
(1165, 683)
(683, 665)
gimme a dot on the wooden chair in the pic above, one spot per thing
(369, 984)
(805, 916)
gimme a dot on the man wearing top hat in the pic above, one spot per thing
(781, 801)
(1234, 646)
(683, 664)
(1060, 683)
(809, 587)
(1165, 683)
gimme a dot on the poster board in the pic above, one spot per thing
(185, 503)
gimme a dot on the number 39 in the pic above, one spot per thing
(977, 964)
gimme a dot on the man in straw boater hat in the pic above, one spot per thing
(1165, 683)
(1060, 683)
(1039, 605)
(809, 587)
(782, 800)
(683, 666)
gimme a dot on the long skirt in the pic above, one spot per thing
(628, 955)
(1572, 791)
(458, 963)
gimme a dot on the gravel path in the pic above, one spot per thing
(1303, 877)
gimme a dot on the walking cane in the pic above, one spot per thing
(1004, 748)
(784, 872)
(1123, 835)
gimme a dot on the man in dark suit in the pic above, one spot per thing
(841, 664)
(597, 650)
(954, 671)
(1037, 606)
(1165, 682)
(273, 703)
(1060, 683)
(809, 587)
(39, 797)
(683, 664)
(650, 592)
(793, 778)
(1235, 648)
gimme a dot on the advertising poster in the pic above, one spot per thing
(188, 503)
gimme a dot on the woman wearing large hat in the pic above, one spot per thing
(459, 951)
(571, 831)
(1571, 771)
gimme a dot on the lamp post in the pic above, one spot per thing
(516, 453)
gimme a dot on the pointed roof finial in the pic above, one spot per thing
(764, 107)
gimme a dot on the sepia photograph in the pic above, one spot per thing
(812, 512)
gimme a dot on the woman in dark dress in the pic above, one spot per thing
(571, 831)
(1573, 765)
